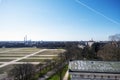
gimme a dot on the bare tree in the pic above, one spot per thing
(22, 72)
(110, 51)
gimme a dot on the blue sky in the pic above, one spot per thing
(59, 20)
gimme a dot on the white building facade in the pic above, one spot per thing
(94, 70)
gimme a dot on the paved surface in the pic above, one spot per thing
(18, 59)
(45, 55)
(21, 62)
(66, 75)
(23, 56)
(11, 50)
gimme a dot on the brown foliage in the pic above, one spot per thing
(110, 51)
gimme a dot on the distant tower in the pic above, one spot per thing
(91, 39)
(26, 38)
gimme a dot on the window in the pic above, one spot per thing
(88, 76)
(102, 77)
(115, 77)
(94, 76)
(108, 76)
(82, 76)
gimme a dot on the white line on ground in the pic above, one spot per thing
(11, 50)
(21, 62)
(18, 59)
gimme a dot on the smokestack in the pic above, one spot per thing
(25, 38)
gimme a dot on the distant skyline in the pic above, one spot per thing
(59, 20)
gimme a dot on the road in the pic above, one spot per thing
(18, 59)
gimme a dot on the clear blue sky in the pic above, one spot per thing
(59, 20)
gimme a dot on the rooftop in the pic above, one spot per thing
(95, 66)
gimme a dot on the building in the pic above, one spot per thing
(94, 70)
(90, 43)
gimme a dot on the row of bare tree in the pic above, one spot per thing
(109, 51)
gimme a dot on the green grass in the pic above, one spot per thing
(56, 76)
(41, 57)
(69, 77)
(44, 71)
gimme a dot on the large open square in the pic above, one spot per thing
(11, 56)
